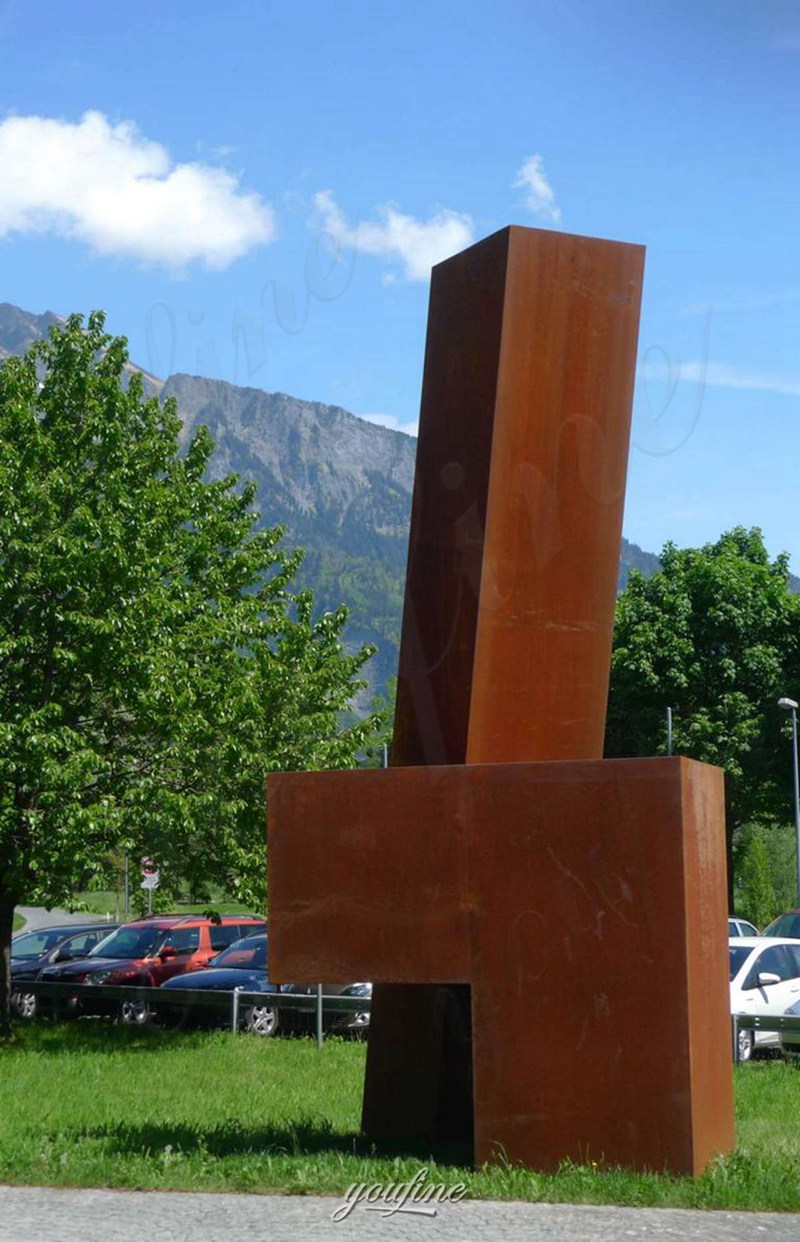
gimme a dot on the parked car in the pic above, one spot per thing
(741, 927)
(334, 1022)
(785, 925)
(147, 952)
(245, 965)
(764, 979)
(32, 951)
(790, 1040)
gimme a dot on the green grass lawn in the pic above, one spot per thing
(93, 1104)
(108, 901)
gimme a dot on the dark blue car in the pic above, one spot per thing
(244, 965)
(32, 951)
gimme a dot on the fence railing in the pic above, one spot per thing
(317, 1002)
(188, 998)
(761, 1022)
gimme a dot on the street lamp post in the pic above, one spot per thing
(789, 705)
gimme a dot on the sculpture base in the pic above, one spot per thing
(585, 904)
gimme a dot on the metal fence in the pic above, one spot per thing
(187, 998)
(761, 1022)
(233, 1001)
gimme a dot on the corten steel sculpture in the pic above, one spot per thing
(546, 929)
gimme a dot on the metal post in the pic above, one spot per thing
(796, 795)
(669, 730)
(235, 1010)
(127, 886)
(149, 901)
(735, 1028)
(319, 1015)
(385, 755)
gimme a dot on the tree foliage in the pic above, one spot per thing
(154, 663)
(714, 635)
(755, 896)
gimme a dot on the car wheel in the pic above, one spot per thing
(261, 1020)
(746, 1040)
(134, 1013)
(26, 1004)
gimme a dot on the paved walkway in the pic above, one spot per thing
(36, 917)
(28, 1214)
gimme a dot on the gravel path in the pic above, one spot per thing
(28, 1214)
(36, 917)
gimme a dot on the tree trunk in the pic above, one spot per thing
(7, 903)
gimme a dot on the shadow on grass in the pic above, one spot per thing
(302, 1138)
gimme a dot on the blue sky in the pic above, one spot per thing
(231, 148)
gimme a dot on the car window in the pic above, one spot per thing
(784, 925)
(34, 944)
(772, 961)
(733, 928)
(737, 956)
(747, 929)
(223, 934)
(793, 954)
(182, 939)
(247, 954)
(78, 946)
(130, 941)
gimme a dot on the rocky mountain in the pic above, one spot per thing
(342, 487)
(633, 557)
(19, 329)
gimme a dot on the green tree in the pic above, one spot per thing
(154, 663)
(379, 748)
(781, 845)
(754, 890)
(714, 635)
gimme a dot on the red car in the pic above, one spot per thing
(148, 952)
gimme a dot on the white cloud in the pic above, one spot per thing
(415, 244)
(111, 187)
(540, 197)
(393, 423)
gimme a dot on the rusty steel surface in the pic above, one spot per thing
(506, 641)
(513, 552)
(518, 500)
(585, 904)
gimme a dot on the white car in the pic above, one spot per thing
(741, 927)
(790, 1040)
(765, 979)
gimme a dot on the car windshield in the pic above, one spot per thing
(738, 955)
(129, 942)
(787, 925)
(249, 954)
(34, 944)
